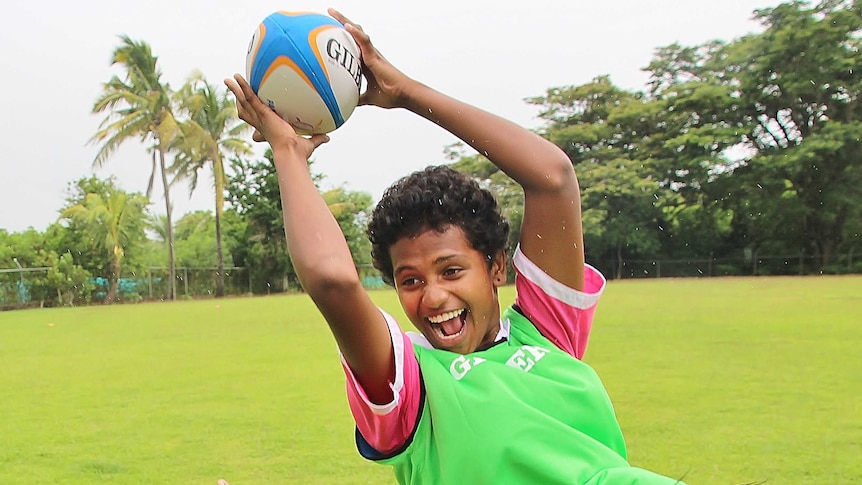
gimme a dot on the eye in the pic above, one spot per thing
(410, 282)
(451, 272)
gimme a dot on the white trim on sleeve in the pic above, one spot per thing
(398, 352)
(552, 287)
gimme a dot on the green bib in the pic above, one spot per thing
(521, 412)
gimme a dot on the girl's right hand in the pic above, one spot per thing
(386, 85)
(268, 125)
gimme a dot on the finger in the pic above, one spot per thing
(245, 96)
(358, 34)
(244, 111)
(252, 102)
(257, 136)
(367, 51)
(318, 140)
(234, 88)
(247, 91)
(339, 17)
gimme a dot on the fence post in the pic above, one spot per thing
(186, 280)
(22, 286)
(150, 281)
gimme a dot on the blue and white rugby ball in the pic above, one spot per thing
(307, 68)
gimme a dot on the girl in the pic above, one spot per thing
(477, 396)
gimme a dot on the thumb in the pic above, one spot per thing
(318, 140)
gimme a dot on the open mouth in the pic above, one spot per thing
(449, 325)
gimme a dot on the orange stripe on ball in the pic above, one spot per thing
(312, 41)
(295, 14)
(261, 31)
(288, 62)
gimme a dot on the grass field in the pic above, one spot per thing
(725, 381)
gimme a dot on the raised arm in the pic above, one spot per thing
(319, 251)
(551, 231)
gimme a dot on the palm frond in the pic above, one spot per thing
(112, 137)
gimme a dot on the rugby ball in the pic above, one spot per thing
(307, 68)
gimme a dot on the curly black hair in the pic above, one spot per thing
(435, 198)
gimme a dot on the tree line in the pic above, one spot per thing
(746, 147)
(734, 150)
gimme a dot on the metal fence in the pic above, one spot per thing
(16, 290)
(745, 266)
(190, 282)
(27, 287)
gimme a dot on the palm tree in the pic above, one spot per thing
(139, 107)
(111, 221)
(211, 132)
(158, 224)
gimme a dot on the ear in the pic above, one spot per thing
(498, 269)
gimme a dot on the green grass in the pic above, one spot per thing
(727, 381)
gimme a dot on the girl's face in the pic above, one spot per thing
(447, 289)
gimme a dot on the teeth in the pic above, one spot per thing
(445, 316)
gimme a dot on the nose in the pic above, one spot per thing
(434, 296)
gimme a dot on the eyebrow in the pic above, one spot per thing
(441, 259)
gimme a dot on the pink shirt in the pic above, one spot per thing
(563, 315)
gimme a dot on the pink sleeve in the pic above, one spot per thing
(562, 314)
(387, 427)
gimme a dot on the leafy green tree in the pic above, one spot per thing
(254, 195)
(212, 131)
(196, 241)
(139, 107)
(62, 282)
(787, 100)
(115, 222)
(351, 211)
(158, 225)
(72, 283)
(18, 250)
(803, 88)
(75, 237)
(621, 217)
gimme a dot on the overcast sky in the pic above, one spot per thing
(55, 55)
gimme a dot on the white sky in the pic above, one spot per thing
(55, 54)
